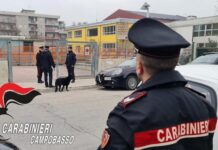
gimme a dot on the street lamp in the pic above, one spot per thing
(146, 6)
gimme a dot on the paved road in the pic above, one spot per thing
(29, 73)
(81, 113)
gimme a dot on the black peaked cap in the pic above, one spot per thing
(153, 38)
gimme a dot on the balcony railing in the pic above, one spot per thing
(52, 38)
(51, 24)
(33, 29)
(32, 22)
(51, 30)
(8, 29)
(9, 21)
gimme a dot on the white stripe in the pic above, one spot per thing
(172, 142)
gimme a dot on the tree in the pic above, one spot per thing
(211, 44)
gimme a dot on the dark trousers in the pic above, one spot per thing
(49, 73)
(71, 73)
(39, 74)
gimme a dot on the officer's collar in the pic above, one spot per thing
(163, 78)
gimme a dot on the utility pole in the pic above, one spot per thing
(146, 6)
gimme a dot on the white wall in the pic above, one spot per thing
(186, 32)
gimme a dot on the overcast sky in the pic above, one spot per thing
(92, 10)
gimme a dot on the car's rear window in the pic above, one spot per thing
(209, 93)
(209, 59)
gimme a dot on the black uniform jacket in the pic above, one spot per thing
(38, 59)
(46, 61)
(162, 114)
(70, 59)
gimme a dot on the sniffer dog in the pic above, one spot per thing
(62, 82)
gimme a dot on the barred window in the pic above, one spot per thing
(78, 33)
(69, 34)
(93, 32)
(109, 30)
(109, 45)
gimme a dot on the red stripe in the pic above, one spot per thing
(12, 87)
(169, 135)
(212, 124)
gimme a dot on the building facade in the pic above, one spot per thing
(32, 26)
(110, 37)
(110, 34)
(36, 30)
(202, 33)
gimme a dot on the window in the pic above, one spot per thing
(93, 32)
(215, 29)
(215, 26)
(109, 46)
(78, 49)
(109, 30)
(208, 29)
(205, 30)
(78, 33)
(32, 19)
(215, 32)
(69, 34)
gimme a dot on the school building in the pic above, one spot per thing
(110, 35)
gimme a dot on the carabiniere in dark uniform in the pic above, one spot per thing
(162, 114)
(47, 62)
(70, 63)
(39, 64)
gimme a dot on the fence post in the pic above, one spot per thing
(57, 58)
(9, 55)
(94, 65)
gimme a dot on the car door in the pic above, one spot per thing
(211, 96)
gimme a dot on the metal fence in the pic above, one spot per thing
(23, 53)
(21, 57)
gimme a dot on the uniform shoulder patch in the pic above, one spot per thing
(132, 98)
(105, 139)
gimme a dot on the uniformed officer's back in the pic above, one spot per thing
(162, 114)
(45, 58)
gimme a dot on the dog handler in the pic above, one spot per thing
(70, 63)
(162, 114)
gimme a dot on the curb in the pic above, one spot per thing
(48, 90)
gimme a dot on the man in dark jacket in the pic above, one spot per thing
(70, 63)
(38, 64)
(47, 64)
(162, 114)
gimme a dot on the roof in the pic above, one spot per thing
(139, 15)
(194, 21)
(105, 22)
(9, 13)
(201, 72)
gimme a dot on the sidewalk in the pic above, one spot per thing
(79, 84)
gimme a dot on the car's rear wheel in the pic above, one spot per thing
(131, 82)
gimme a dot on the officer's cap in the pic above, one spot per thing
(154, 39)
(47, 47)
(70, 47)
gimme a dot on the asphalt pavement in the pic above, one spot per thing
(81, 113)
(24, 74)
